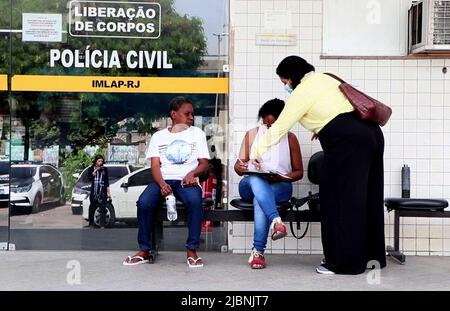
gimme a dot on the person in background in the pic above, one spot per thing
(351, 181)
(178, 156)
(265, 192)
(100, 193)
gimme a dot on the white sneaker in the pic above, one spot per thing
(322, 270)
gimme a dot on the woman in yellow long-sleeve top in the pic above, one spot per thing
(351, 181)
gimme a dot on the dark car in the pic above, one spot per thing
(4, 182)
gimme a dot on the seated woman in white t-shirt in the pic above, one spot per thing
(178, 155)
(285, 158)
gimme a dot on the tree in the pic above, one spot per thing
(74, 162)
(44, 134)
(145, 126)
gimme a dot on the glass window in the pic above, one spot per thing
(142, 178)
(54, 172)
(43, 170)
(78, 91)
(22, 172)
(4, 167)
(117, 172)
(84, 177)
(134, 168)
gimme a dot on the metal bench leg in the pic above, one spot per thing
(395, 252)
(157, 234)
(152, 256)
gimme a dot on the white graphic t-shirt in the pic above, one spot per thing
(178, 152)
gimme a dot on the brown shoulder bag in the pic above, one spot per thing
(367, 107)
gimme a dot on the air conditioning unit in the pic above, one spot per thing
(429, 26)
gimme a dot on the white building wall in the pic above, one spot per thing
(418, 133)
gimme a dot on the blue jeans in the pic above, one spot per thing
(151, 198)
(264, 196)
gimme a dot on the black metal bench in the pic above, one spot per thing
(405, 207)
(244, 211)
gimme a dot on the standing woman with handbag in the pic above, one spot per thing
(351, 182)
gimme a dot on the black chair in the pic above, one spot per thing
(406, 207)
(315, 167)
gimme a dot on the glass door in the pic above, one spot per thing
(96, 77)
(5, 30)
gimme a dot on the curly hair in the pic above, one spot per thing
(271, 107)
(176, 103)
(294, 68)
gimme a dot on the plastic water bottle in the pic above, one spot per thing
(171, 207)
(406, 181)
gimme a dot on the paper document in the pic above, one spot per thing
(262, 172)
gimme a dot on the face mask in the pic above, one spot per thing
(288, 88)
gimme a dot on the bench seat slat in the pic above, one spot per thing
(245, 205)
(415, 204)
(242, 215)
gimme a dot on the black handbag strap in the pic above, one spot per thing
(291, 224)
(334, 76)
(296, 203)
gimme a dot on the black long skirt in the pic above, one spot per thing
(351, 194)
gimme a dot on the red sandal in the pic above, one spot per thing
(279, 231)
(256, 260)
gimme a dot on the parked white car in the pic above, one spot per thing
(82, 187)
(4, 182)
(124, 193)
(35, 184)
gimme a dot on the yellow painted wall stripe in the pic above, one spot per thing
(3, 82)
(40, 83)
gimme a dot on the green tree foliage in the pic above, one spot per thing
(44, 134)
(144, 126)
(74, 163)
